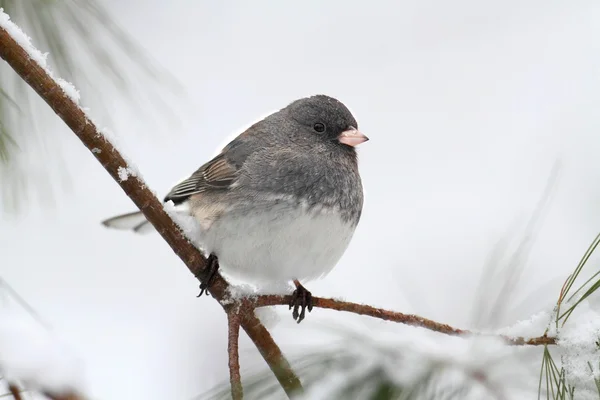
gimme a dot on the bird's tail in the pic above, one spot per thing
(134, 221)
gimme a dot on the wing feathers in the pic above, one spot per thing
(218, 173)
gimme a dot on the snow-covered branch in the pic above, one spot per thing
(29, 64)
(394, 316)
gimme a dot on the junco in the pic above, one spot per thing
(280, 202)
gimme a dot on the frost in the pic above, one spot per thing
(31, 354)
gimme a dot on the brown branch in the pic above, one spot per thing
(233, 328)
(144, 199)
(15, 391)
(64, 396)
(387, 315)
(17, 394)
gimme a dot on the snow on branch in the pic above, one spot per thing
(394, 316)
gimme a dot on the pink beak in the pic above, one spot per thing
(352, 137)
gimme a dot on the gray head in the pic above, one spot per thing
(328, 119)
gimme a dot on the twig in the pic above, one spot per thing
(233, 328)
(110, 158)
(387, 315)
(17, 394)
(15, 391)
(65, 396)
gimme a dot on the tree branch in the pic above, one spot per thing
(110, 158)
(64, 396)
(233, 328)
(15, 391)
(387, 315)
(17, 394)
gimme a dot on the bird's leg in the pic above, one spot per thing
(212, 266)
(301, 299)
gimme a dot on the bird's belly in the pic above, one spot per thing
(276, 247)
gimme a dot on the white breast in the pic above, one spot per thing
(278, 245)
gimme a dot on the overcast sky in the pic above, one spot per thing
(468, 105)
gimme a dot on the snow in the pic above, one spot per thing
(406, 360)
(241, 291)
(40, 58)
(187, 223)
(269, 317)
(535, 326)
(24, 41)
(68, 88)
(129, 169)
(125, 173)
(108, 135)
(578, 349)
(31, 354)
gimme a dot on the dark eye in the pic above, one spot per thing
(319, 127)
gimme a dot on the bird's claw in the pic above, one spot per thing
(212, 266)
(301, 300)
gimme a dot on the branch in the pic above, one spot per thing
(386, 315)
(17, 394)
(15, 391)
(40, 80)
(66, 396)
(233, 328)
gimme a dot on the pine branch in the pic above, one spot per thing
(394, 316)
(64, 396)
(233, 328)
(110, 158)
(15, 391)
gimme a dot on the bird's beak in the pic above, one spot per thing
(352, 137)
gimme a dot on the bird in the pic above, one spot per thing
(280, 203)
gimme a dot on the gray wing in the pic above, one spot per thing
(223, 171)
(217, 174)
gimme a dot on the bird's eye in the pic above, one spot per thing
(319, 127)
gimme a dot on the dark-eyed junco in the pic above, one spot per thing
(280, 202)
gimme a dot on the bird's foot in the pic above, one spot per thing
(301, 300)
(212, 266)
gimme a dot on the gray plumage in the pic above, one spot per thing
(282, 200)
